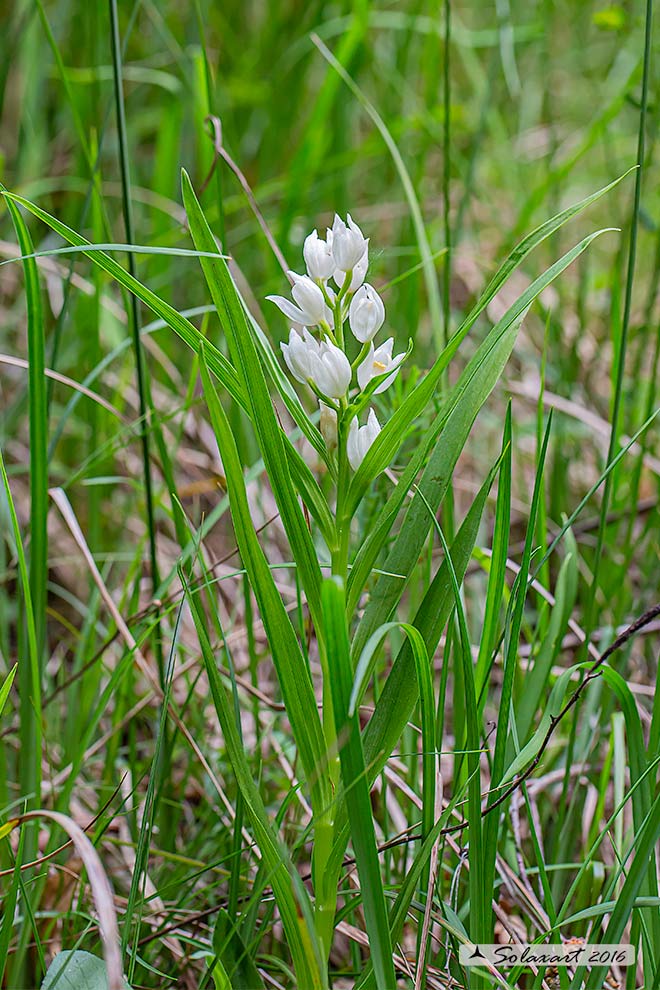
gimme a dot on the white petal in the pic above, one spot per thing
(289, 309)
(365, 369)
(372, 429)
(291, 365)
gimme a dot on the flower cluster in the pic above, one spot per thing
(321, 361)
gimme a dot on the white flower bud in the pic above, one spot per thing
(309, 297)
(328, 425)
(299, 354)
(366, 314)
(376, 363)
(348, 244)
(360, 439)
(331, 370)
(318, 257)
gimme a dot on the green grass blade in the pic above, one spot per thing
(29, 679)
(479, 888)
(363, 672)
(6, 687)
(430, 273)
(516, 605)
(285, 388)
(497, 572)
(401, 908)
(399, 694)
(536, 678)
(38, 432)
(235, 955)
(645, 844)
(621, 337)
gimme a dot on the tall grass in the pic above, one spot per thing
(305, 720)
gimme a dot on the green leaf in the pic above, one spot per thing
(551, 711)
(534, 681)
(480, 892)
(391, 436)
(497, 572)
(356, 784)
(259, 406)
(76, 970)
(454, 423)
(513, 626)
(6, 687)
(29, 673)
(399, 913)
(400, 693)
(217, 362)
(284, 386)
(292, 671)
(363, 673)
(638, 870)
(38, 544)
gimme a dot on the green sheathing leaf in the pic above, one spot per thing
(356, 785)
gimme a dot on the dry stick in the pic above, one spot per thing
(620, 641)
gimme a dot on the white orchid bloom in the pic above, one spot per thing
(348, 244)
(328, 425)
(377, 362)
(366, 313)
(311, 308)
(360, 439)
(300, 353)
(318, 257)
(331, 370)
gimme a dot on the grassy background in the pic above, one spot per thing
(543, 108)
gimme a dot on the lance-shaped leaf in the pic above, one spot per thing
(259, 406)
(356, 785)
(292, 671)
